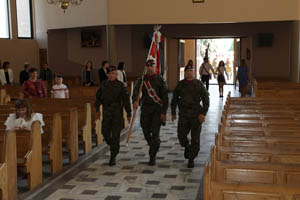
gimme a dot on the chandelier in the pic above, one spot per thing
(64, 4)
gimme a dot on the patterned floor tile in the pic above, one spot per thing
(132, 178)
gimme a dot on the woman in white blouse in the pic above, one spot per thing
(23, 117)
(6, 74)
(221, 78)
(121, 73)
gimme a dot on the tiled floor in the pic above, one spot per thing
(92, 178)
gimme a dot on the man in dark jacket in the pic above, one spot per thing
(154, 105)
(103, 71)
(24, 74)
(113, 96)
(187, 95)
(46, 74)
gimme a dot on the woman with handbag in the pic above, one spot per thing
(205, 72)
(221, 78)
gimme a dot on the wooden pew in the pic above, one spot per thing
(8, 166)
(84, 110)
(216, 190)
(276, 88)
(255, 172)
(253, 179)
(14, 91)
(69, 117)
(29, 153)
(2, 95)
(257, 152)
(51, 139)
(54, 144)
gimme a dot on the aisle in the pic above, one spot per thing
(132, 178)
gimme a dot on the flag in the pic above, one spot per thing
(154, 51)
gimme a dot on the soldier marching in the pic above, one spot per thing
(154, 105)
(113, 96)
(187, 95)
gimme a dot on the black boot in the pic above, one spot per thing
(152, 161)
(112, 161)
(191, 163)
(187, 152)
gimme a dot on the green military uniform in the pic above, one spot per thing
(113, 96)
(151, 111)
(188, 95)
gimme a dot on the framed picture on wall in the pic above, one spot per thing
(91, 38)
(198, 1)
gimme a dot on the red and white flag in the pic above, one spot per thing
(154, 51)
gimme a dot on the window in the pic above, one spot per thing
(24, 17)
(4, 23)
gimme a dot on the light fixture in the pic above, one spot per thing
(64, 4)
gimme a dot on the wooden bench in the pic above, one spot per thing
(237, 179)
(257, 152)
(227, 190)
(51, 139)
(84, 110)
(276, 88)
(14, 91)
(4, 97)
(8, 166)
(29, 153)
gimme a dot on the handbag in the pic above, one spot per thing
(206, 71)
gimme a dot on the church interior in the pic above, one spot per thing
(249, 141)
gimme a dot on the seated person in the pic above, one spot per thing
(23, 117)
(6, 74)
(34, 88)
(59, 90)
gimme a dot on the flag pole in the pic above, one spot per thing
(156, 29)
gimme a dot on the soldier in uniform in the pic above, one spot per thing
(113, 96)
(187, 95)
(154, 105)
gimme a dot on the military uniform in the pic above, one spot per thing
(113, 96)
(187, 95)
(151, 111)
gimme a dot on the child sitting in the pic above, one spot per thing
(59, 90)
(23, 117)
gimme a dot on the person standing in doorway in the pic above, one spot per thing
(221, 78)
(187, 95)
(204, 72)
(154, 105)
(113, 96)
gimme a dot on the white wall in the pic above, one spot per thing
(89, 13)
(212, 11)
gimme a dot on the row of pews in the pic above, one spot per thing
(270, 87)
(8, 92)
(68, 124)
(256, 155)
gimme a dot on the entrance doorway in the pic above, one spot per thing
(222, 49)
(226, 49)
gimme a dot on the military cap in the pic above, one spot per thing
(188, 67)
(150, 62)
(111, 69)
